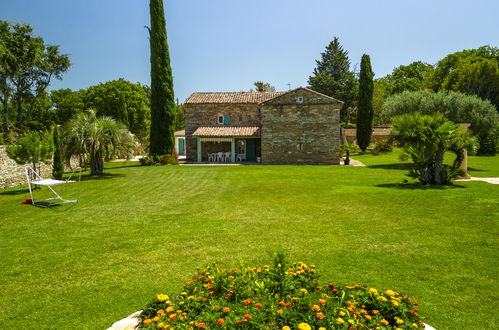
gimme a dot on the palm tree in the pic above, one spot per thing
(91, 138)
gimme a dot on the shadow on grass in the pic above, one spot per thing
(475, 169)
(399, 166)
(121, 166)
(15, 191)
(105, 176)
(417, 186)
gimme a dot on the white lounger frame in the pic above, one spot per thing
(39, 181)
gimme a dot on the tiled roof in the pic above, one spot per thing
(227, 131)
(231, 97)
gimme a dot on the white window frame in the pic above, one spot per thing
(220, 119)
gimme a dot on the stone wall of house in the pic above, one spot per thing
(12, 174)
(379, 133)
(207, 115)
(301, 132)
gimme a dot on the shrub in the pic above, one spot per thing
(146, 161)
(381, 146)
(279, 296)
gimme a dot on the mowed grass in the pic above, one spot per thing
(139, 231)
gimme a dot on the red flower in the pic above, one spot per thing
(258, 305)
(335, 291)
(220, 321)
(247, 301)
(331, 285)
(247, 316)
(202, 325)
(229, 294)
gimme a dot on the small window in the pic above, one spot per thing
(299, 99)
(240, 118)
(259, 111)
(299, 146)
(220, 119)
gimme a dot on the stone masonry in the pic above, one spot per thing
(12, 174)
(301, 127)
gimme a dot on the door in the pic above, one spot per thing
(250, 150)
(181, 146)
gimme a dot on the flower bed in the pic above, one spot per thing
(280, 296)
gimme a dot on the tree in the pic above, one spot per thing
(380, 93)
(94, 138)
(180, 117)
(27, 67)
(66, 103)
(365, 113)
(333, 77)
(122, 100)
(425, 139)
(32, 147)
(410, 77)
(455, 106)
(472, 71)
(162, 140)
(57, 165)
(261, 86)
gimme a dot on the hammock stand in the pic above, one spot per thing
(39, 181)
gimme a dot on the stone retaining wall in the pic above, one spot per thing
(12, 174)
(379, 133)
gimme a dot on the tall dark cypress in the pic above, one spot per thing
(57, 166)
(162, 98)
(365, 112)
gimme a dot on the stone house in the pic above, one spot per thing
(300, 126)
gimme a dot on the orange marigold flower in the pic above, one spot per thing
(281, 303)
(160, 312)
(230, 277)
(220, 321)
(280, 311)
(288, 304)
(247, 316)
(247, 301)
(147, 321)
(173, 317)
(216, 307)
(360, 325)
(155, 319)
(226, 309)
(316, 308)
(375, 311)
(368, 317)
(258, 305)
(229, 294)
(384, 322)
(320, 315)
(295, 298)
(202, 325)
(322, 302)
(334, 291)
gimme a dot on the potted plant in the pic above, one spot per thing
(345, 150)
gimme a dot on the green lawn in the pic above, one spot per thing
(143, 230)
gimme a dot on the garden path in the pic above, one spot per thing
(488, 180)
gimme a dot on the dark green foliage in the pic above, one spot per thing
(488, 143)
(457, 107)
(162, 129)
(425, 139)
(261, 86)
(333, 77)
(410, 77)
(365, 113)
(382, 146)
(57, 164)
(32, 147)
(180, 117)
(67, 103)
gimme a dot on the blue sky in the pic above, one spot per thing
(226, 45)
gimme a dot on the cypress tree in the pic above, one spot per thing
(162, 99)
(57, 165)
(365, 111)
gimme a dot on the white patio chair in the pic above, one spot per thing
(39, 181)
(212, 157)
(227, 157)
(220, 157)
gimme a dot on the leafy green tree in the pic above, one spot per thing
(425, 139)
(66, 103)
(410, 77)
(122, 100)
(180, 117)
(27, 67)
(333, 77)
(472, 71)
(32, 147)
(94, 138)
(261, 86)
(57, 164)
(380, 93)
(162, 140)
(457, 107)
(365, 113)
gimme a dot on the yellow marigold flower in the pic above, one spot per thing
(368, 317)
(304, 326)
(322, 302)
(148, 321)
(415, 325)
(342, 313)
(375, 311)
(320, 315)
(384, 322)
(162, 297)
(399, 320)
(231, 277)
(390, 293)
(395, 303)
(181, 303)
(280, 311)
(285, 328)
(322, 328)
(191, 298)
(160, 312)
(352, 322)
(160, 325)
(339, 320)
(303, 291)
(183, 293)
(155, 319)
(316, 308)
(170, 309)
(382, 298)
(373, 291)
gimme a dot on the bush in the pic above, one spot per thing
(280, 296)
(146, 161)
(382, 146)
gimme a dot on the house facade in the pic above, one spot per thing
(300, 126)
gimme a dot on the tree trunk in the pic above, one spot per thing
(438, 166)
(96, 163)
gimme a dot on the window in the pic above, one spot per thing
(220, 119)
(299, 99)
(299, 146)
(240, 118)
(259, 111)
